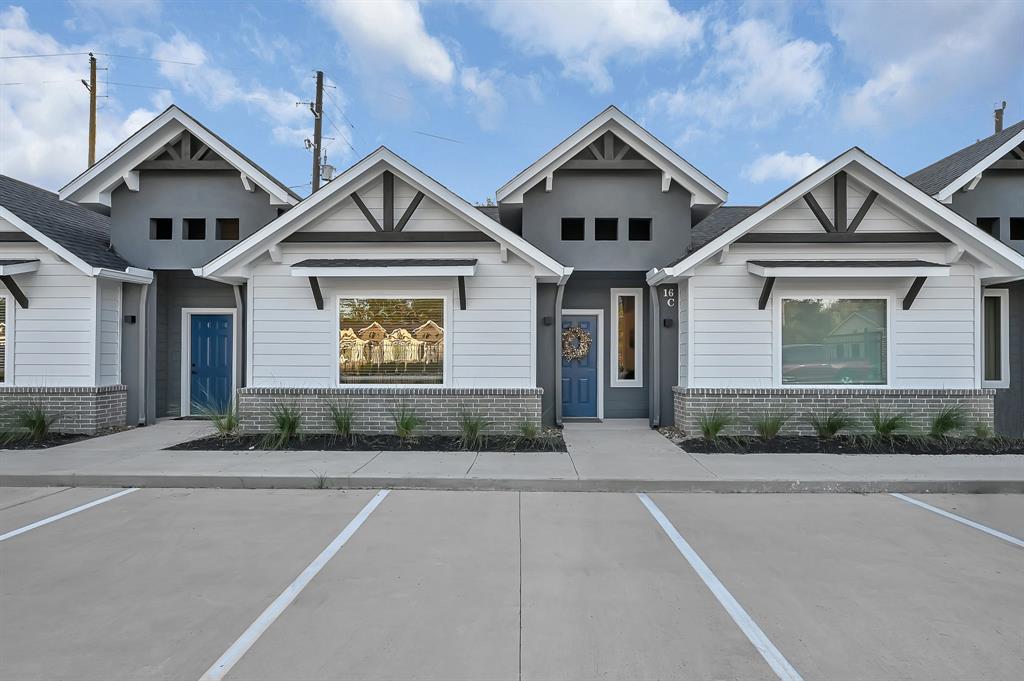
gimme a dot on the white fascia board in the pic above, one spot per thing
(703, 189)
(132, 275)
(935, 215)
(851, 272)
(385, 271)
(353, 178)
(50, 244)
(94, 186)
(974, 171)
(19, 268)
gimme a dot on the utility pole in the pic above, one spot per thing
(91, 87)
(318, 115)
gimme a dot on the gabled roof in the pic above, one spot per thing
(919, 204)
(674, 166)
(95, 184)
(717, 222)
(79, 235)
(949, 174)
(352, 179)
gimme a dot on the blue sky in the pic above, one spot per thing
(754, 94)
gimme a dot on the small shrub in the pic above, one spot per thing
(34, 423)
(983, 431)
(320, 479)
(948, 420)
(224, 421)
(712, 424)
(407, 421)
(341, 418)
(287, 420)
(528, 430)
(768, 425)
(472, 427)
(828, 425)
(887, 425)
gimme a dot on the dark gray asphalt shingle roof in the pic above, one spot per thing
(939, 175)
(489, 211)
(719, 221)
(389, 262)
(81, 231)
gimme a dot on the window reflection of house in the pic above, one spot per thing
(391, 341)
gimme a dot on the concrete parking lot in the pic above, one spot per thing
(292, 584)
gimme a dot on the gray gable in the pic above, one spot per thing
(939, 175)
(79, 230)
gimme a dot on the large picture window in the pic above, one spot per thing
(829, 341)
(627, 338)
(391, 340)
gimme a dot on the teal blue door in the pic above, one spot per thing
(579, 376)
(211, 362)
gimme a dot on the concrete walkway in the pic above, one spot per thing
(611, 456)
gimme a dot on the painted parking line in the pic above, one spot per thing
(233, 654)
(65, 514)
(775, 659)
(960, 519)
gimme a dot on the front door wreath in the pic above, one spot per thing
(575, 343)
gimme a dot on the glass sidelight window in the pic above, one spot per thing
(391, 340)
(627, 338)
(3, 339)
(827, 341)
(996, 338)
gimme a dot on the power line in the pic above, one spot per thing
(162, 61)
(56, 54)
(102, 54)
(343, 136)
(440, 137)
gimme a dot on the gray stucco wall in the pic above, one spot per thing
(177, 195)
(668, 309)
(609, 194)
(1000, 194)
(177, 290)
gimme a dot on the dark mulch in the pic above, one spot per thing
(433, 443)
(854, 444)
(52, 440)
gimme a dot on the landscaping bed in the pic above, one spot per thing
(50, 440)
(549, 441)
(852, 444)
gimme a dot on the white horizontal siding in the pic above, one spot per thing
(491, 343)
(734, 344)
(109, 345)
(55, 338)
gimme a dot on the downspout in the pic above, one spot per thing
(558, 350)
(655, 364)
(142, 354)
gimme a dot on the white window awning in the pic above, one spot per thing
(394, 267)
(9, 267)
(846, 268)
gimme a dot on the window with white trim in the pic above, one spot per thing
(627, 338)
(995, 350)
(834, 341)
(391, 340)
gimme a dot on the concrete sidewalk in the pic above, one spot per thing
(612, 456)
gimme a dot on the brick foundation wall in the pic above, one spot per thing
(78, 410)
(919, 405)
(440, 408)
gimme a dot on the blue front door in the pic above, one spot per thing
(579, 376)
(211, 362)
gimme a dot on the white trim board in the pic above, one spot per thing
(638, 337)
(974, 172)
(599, 313)
(186, 352)
(384, 271)
(816, 272)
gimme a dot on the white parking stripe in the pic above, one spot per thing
(65, 514)
(782, 668)
(239, 648)
(960, 519)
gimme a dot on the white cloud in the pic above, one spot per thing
(44, 123)
(218, 88)
(756, 74)
(485, 98)
(781, 166)
(919, 54)
(585, 37)
(390, 33)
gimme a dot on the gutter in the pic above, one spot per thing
(566, 273)
(131, 275)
